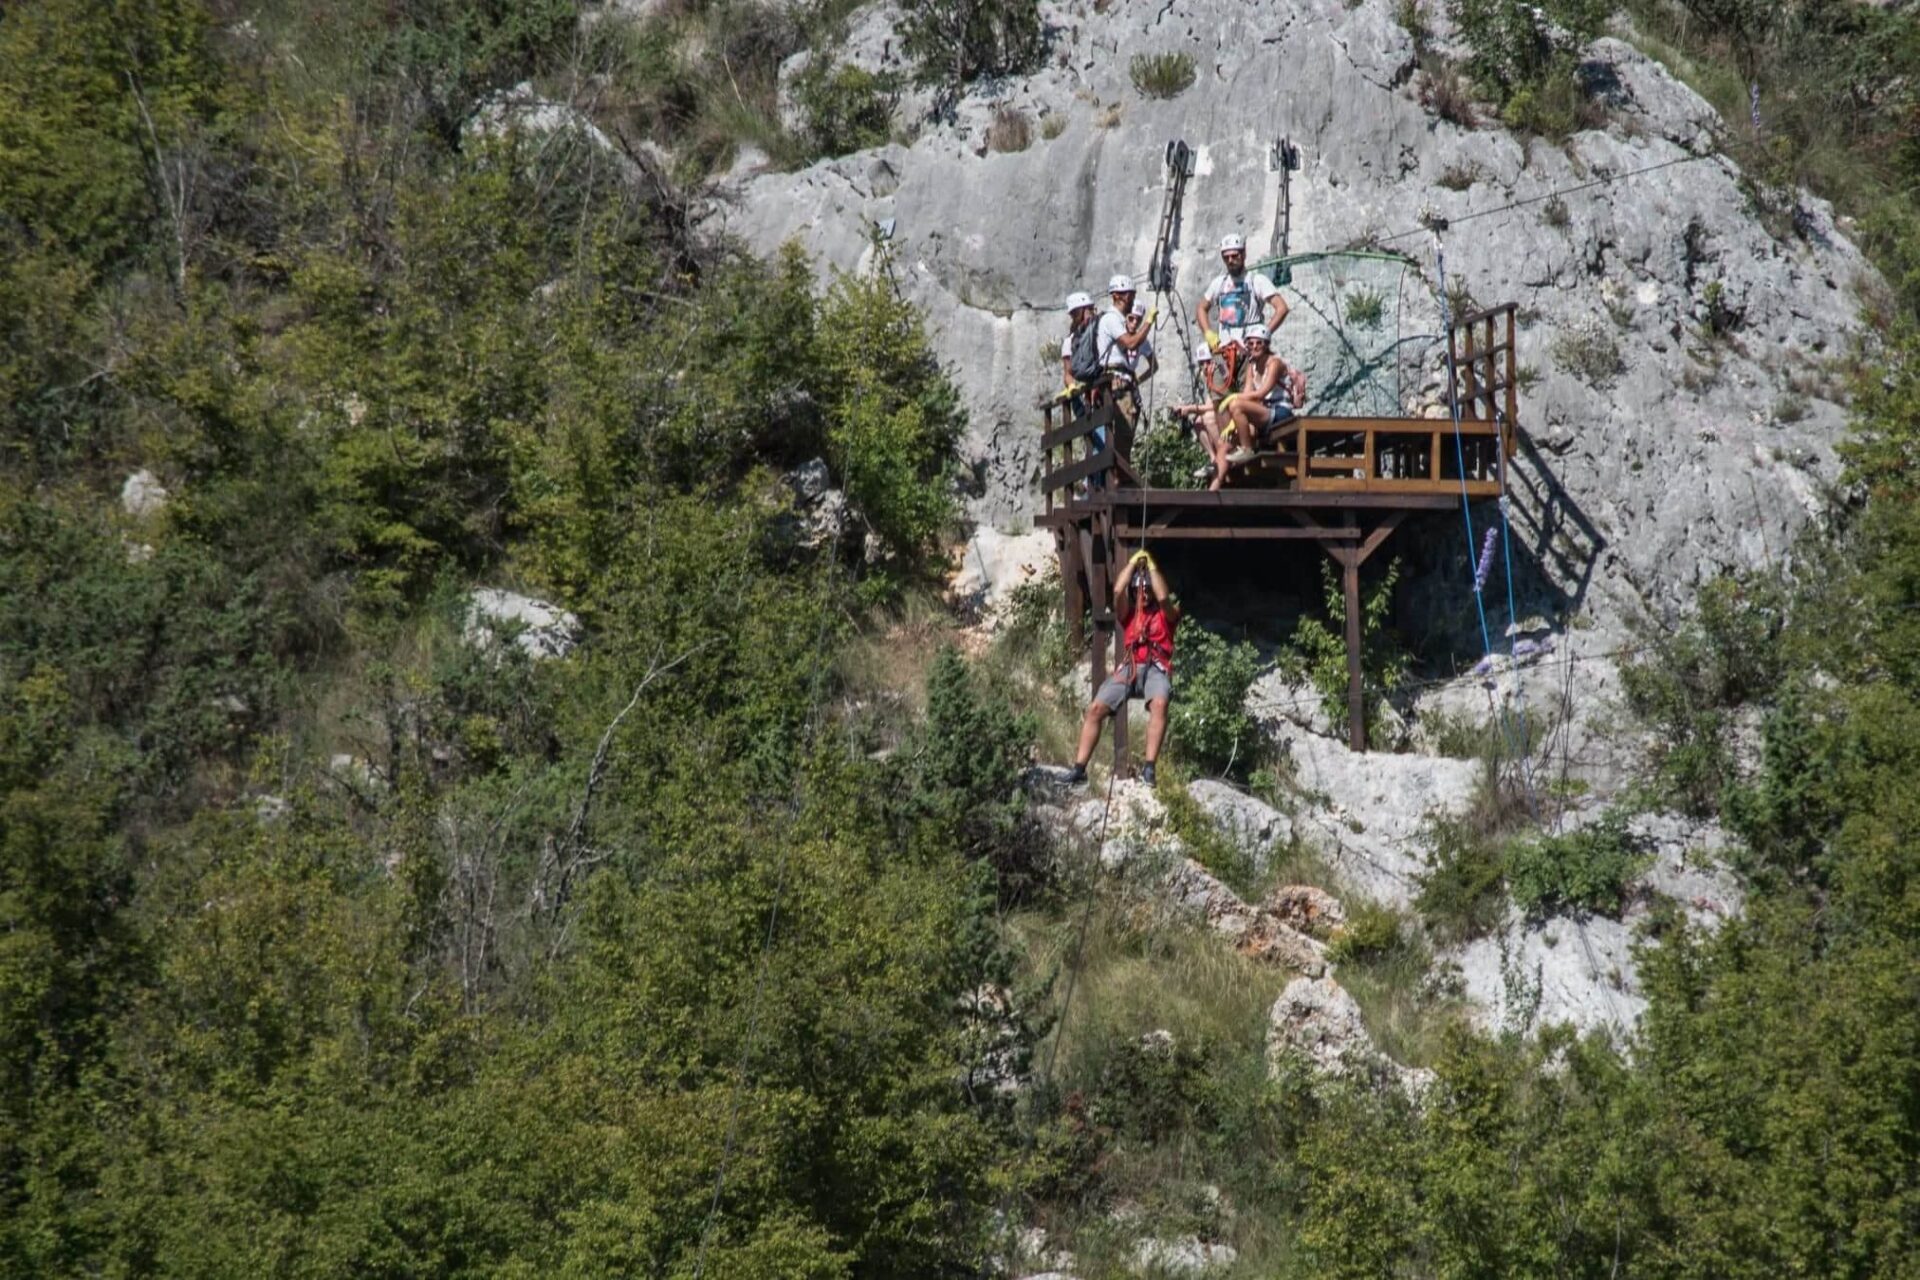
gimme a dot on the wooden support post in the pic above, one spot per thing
(1356, 693)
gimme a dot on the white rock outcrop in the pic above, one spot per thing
(142, 496)
(1182, 1256)
(1255, 826)
(1365, 812)
(994, 565)
(1317, 1021)
(538, 629)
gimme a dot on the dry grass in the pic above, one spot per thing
(1011, 130)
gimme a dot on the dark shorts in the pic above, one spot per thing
(1149, 682)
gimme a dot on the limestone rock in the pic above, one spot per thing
(1365, 811)
(1311, 911)
(521, 111)
(822, 510)
(1181, 1256)
(142, 496)
(995, 564)
(540, 630)
(1532, 974)
(1252, 824)
(1317, 1020)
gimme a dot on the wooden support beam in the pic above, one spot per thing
(1356, 692)
(1238, 533)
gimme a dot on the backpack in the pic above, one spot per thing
(1084, 363)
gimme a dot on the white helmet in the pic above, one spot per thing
(1077, 299)
(1233, 243)
(1139, 307)
(1120, 284)
(1254, 331)
(1202, 353)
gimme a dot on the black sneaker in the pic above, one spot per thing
(1076, 776)
(1146, 773)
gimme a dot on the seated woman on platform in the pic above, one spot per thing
(1267, 399)
(1205, 419)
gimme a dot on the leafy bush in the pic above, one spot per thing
(1209, 720)
(1167, 453)
(843, 107)
(1583, 871)
(1366, 307)
(1463, 890)
(1317, 652)
(1033, 627)
(1523, 56)
(954, 42)
(1161, 75)
(1371, 932)
(1690, 678)
(966, 770)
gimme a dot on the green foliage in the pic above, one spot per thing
(844, 107)
(1168, 453)
(1523, 56)
(1209, 720)
(1371, 932)
(1365, 307)
(954, 42)
(1590, 354)
(1161, 75)
(1687, 683)
(966, 768)
(1317, 652)
(1583, 871)
(1463, 890)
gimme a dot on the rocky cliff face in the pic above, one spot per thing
(1681, 422)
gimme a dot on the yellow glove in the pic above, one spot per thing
(1213, 339)
(1137, 557)
(1153, 313)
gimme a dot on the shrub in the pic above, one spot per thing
(1459, 175)
(844, 108)
(1554, 213)
(1053, 124)
(1462, 892)
(1209, 717)
(1366, 307)
(965, 773)
(1317, 652)
(1583, 871)
(954, 42)
(1168, 453)
(1371, 932)
(1033, 627)
(1445, 92)
(1685, 683)
(1524, 56)
(1590, 354)
(1161, 75)
(1010, 130)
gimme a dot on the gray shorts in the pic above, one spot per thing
(1149, 682)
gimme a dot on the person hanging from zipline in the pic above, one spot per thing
(1148, 615)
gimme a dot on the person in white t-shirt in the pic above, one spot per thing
(1142, 365)
(1079, 316)
(1119, 340)
(1237, 300)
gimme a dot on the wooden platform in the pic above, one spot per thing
(1343, 484)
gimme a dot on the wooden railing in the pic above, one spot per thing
(1083, 453)
(1481, 347)
(1083, 449)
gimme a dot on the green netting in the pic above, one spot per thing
(1362, 325)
